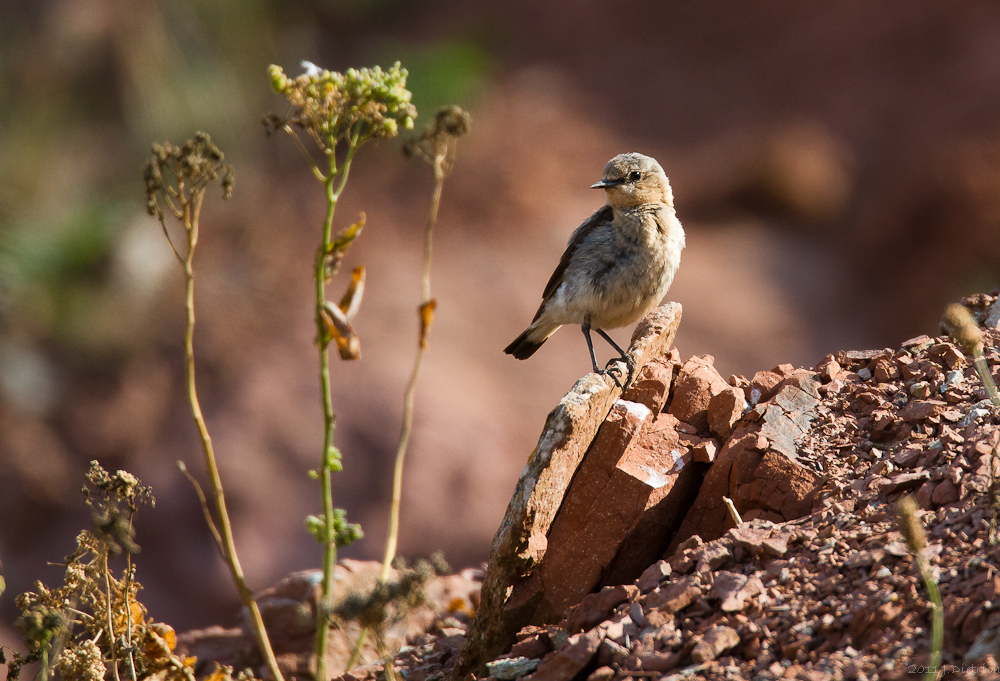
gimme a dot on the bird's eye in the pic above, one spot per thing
(634, 176)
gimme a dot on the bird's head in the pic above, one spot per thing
(633, 179)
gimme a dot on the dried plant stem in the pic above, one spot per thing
(190, 212)
(129, 576)
(336, 176)
(937, 618)
(111, 607)
(425, 311)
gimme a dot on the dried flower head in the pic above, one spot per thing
(83, 662)
(114, 501)
(350, 106)
(959, 323)
(174, 175)
(909, 524)
(437, 141)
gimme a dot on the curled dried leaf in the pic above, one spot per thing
(426, 319)
(351, 301)
(341, 331)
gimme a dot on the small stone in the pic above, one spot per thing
(724, 410)
(697, 382)
(604, 673)
(705, 451)
(569, 660)
(918, 410)
(903, 482)
(734, 589)
(535, 646)
(762, 386)
(711, 557)
(864, 374)
(595, 608)
(777, 545)
(653, 576)
(953, 357)
(611, 652)
(750, 537)
(946, 492)
(828, 369)
(885, 371)
(511, 668)
(674, 597)
(716, 641)
(660, 661)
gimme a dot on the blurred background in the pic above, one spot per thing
(836, 166)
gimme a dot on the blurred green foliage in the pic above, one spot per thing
(87, 87)
(451, 71)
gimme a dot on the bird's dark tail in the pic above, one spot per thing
(522, 347)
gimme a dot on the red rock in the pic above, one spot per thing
(711, 556)
(652, 384)
(724, 410)
(653, 576)
(601, 504)
(751, 536)
(597, 607)
(675, 596)
(705, 451)
(611, 653)
(521, 541)
(885, 371)
(533, 647)
(777, 545)
(907, 457)
(946, 492)
(662, 462)
(604, 673)
(697, 382)
(762, 386)
(659, 662)
(367, 673)
(903, 482)
(569, 660)
(828, 369)
(918, 410)
(716, 641)
(869, 624)
(733, 590)
(923, 495)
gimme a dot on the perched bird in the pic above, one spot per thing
(619, 263)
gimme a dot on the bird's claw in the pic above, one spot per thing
(614, 371)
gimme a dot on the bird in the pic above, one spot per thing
(618, 264)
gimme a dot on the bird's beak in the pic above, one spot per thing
(605, 184)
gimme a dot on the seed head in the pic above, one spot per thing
(959, 323)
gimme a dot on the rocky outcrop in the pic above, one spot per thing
(740, 528)
(513, 593)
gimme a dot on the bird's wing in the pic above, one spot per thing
(602, 216)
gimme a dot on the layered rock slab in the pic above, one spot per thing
(522, 539)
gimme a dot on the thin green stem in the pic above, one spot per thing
(329, 421)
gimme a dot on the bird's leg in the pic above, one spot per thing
(590, 344)
(624, 356)
(593, 356)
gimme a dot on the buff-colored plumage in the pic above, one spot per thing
(619, 263)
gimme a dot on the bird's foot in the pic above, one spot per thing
(614, 371)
